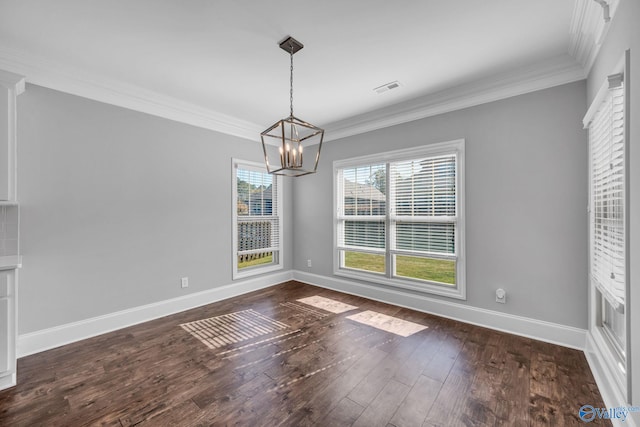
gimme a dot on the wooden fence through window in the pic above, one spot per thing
(254, 235)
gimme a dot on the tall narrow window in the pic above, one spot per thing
(362, 228)
(257, 220)
(608, 225)
(400, 218)
(424, 218)
(606, 139)
(607, 167)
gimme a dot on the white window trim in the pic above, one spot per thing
(253, 271)
(432, 150)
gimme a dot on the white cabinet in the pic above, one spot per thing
(8, 330)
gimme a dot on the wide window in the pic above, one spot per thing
(400, 218)
(257, 220)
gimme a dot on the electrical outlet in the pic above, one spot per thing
(501, 296)
(184, 282)
(309, 263)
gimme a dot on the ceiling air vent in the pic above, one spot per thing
(387, 87)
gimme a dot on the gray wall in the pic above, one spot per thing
(624, 33)
(526, 199)
(117, 205)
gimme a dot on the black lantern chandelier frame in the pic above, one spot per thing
(292, 146)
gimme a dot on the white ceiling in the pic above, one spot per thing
(221, 56)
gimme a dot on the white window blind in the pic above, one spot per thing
(424, 195)
(363, 208)
(607, 195)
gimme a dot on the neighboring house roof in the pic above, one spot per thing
(362, 191)
(266, 194)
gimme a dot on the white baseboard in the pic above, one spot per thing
(554, 333)
(7, 381)
(35, 342)
(46, 339)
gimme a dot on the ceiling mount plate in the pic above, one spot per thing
(290, 45)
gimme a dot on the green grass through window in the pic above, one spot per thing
(433, 270)
(256, 261)
(368, 262)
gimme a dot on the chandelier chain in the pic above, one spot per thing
(291, 83)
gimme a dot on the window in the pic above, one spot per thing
(257, 220)
(607, 205)
(608, 219)
(400, 218)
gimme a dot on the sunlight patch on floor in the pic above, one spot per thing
(304, 309)
(219, 331)
(387, 323)
(327, 304)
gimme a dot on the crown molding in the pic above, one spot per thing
(588, 29)
(11, 81)
(52, 75)
(55, 76)
(555, 72)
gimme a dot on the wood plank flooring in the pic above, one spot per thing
(320, 368)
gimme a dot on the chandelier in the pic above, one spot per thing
(291, 145)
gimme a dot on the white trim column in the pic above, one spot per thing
(11, 85)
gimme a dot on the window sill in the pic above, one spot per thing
(256, 271)
(10, 262)
(425, 288)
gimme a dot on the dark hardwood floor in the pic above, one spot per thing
(266, 359)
